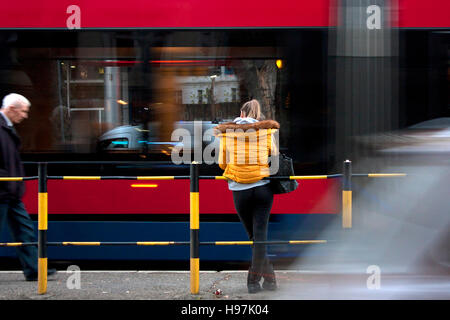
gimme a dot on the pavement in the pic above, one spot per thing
(223, 285)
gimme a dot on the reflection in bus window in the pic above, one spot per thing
(102, 96)
(98, 90)
(114, 144)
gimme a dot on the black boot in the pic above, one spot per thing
(253, 279)
(270, 282)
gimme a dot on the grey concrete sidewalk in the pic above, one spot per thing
(175, 285)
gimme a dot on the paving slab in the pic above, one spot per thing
(175, 285)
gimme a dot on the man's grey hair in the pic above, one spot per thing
(15, 100)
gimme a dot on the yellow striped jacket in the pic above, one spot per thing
(245, 149)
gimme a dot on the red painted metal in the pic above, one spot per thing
(207, 14)
(172, 197)
(166, 14)
(423, 14)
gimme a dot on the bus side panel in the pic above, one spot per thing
(172, 197)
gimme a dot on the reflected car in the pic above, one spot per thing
(129, 138)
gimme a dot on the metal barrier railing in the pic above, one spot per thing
(194, 242)
(157, 243)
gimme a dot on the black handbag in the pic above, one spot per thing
(285, 168)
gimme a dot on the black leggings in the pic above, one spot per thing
(253, 208)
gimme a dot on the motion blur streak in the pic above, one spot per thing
(400, 224)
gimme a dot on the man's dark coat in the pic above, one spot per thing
(10, 163)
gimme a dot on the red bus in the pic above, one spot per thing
(109, 81)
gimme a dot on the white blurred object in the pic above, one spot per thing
(431, 136)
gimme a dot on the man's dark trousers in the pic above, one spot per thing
(22, 230)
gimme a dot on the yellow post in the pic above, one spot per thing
(347, 195)
(42, 229)
(194, 226)
(346, 209)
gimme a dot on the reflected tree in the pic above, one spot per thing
(259, 77)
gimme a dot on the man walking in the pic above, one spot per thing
(14, 110)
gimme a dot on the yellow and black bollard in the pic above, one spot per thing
(347, 195)
(42, 229)
(194, 226)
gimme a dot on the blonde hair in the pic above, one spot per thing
(252, 109)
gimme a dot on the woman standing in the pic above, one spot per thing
(245, 147)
